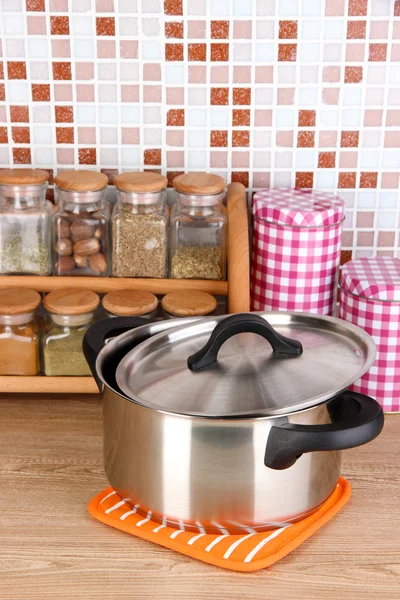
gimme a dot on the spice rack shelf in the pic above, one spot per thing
(236, 289)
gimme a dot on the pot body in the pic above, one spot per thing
(209, 474)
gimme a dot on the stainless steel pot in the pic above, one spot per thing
(239, 436)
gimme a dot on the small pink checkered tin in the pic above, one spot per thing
(296, 250)
(370, 298)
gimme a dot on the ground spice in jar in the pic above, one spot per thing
(197, 262)
(71, 313)
(139, 226)
(19, 335)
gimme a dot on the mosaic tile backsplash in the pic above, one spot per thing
(266, 92)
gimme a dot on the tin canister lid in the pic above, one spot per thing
(298, 207)
(376, 278)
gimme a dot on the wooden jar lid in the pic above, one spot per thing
(23, 176)
(81, 181)
(18, 301)
(126, 303)
(140, 182)
(189, 303)
(199, 184)
(71, 301)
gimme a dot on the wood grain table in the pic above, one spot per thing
(50, 548)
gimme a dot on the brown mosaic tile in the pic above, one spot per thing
(356, 30)
(1, 71)
(105, 26)
(50, 195)
(176, 117)
(347, 180)
(241, 96)
(304, 179)
(65, 135)
(240, 177)
(219, 30)
(396, 11)
(62, 71)
(173, 7)
(21, 135)
(345, 256)
(16, 70)
(59, 25)
(171, 176)
(288, 30)
(87, 156)
(3, 135)
(40, 92)
(369, 180)
(349, 139)
(174, 29)
(110, 173)
(307, 118)
(19, 114)
(287, 52)
(377, 52)
(219, 52)
(51, 175)
(306, 139)
(197, 52)
(219, 96)
(353, 74)
(152, 156)
(35, 5)
(358, 8)
(241, 117)
(2, 92)
(218, 139)
(64, 114)
(174, 52)
(326, 160)
(240, 138)
(21, 156)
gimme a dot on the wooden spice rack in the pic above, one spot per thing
(236, 288)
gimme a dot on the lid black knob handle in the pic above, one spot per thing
(242, 323)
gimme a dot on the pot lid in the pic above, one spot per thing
(298, 207)
(375, 278)
(222, 367)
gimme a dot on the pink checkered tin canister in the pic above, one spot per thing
(370, 298)
(296, 250)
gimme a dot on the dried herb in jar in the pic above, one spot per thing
(23, 249)
(197, 262)
(63, 353)
(139, 243)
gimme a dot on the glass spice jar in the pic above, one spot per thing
(71, 312)
(198, 228)
(24, 222)
(127, 303)
(81, 224)
(140, 226)
(188, 303)
(19, 332)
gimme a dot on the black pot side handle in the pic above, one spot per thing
(356, 420)
(242, 323)
(97, 334)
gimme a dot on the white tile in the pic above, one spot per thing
(4, 156)
(386, 219)
(307, 96)
(261, 138)
(197, 159)
(310, 30)
(264, 96)
(262, 159)
(152, 135)
(82, 25)
(197, 96)
(348, 198)
(325, 179)
(130, 114)
(129, 71)
(15, 48)
(334, 29)
(44, 156)
(196, 117)
(351, 118)
(394, 74)
(152, 115)
(309, 74)
(39, 70)
(330, 117)
(352, 96)
(174, 74)
(265, 52)
(286, 73)
(83, 48)
(282, 179)
(85, 113)
(129, 26)
(106, 71)
(41, 114)
(242, 52)
(388, 199)
(381, 8)
(309, 53)
(283, 159)
(220, 117)
(108, 92)
(305, 158)
(11, 5)
(377, 74)
(265, 29)
(242, 9)
(332, 52)
(42, 135)
(374, 96)
(312, 8)
(196, 7)
(366, 199)
(391, 160)
(197, 138)
(150, 27)
(369, 160)
(37, 48)
(81, 5)
(108, 156)
(285, 117)
(151, 50)
(108, 135)
(13, 24)
(219, 8)
(371, 138)
(18, 91)
(265, 8)
(127, 6)
(130, 157)
(151, 6)
(288, 8)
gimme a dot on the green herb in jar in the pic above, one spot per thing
(22, 253)
(197, 262)
(63, 353)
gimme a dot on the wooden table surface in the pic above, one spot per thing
(50, 548)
